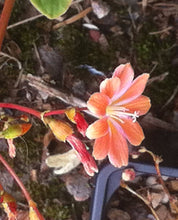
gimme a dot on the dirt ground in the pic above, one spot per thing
(52, 64)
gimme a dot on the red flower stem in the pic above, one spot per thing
(62, 111)
(19, 182)
(34, 112)
(10, 170)
(21, 108)
(4, 19)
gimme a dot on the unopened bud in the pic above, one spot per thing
(128, 174)
(34, 214)
(9, 204)
(15, 130)
(70, 113)
(60, 129)
(77, 118)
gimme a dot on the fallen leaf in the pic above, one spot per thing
(63, 162)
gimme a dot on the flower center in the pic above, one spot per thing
(119, 112)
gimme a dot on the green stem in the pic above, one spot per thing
(4, 19)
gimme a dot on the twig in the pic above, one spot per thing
(73, 18)
(125, 186)
(40, 85)
(154, 67)
(157, 160)
(131, 18)
(157, 78)
(166, 4)
(24, 21)
(6, 13)
(42, 70)
(171, 98)
(12, 58)
(161, 31)
(144, 5)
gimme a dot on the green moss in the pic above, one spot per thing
(52, 199)
(77, 48)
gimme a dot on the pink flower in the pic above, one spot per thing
(118, 105)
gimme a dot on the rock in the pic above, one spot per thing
(151, 182)
(173, 184)
(117, 214)
(100, 8)
(155, 199)
(164, 214)
(78, 186)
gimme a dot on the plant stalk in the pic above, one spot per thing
(4, 19)
(21, 185)
(34, 112)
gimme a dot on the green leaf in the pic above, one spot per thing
(51, 8)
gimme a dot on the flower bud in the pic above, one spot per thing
(128, 174)
(34, 214)
(77, 118)
(60, 129)
(15, 130)
(9, 205)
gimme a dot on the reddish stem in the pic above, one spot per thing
(19, 182)
(34, 112)
(10, 170)
(62, 111)
(4, 19)
(21, 108)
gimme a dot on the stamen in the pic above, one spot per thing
(118, 112)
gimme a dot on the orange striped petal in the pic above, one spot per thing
(97, 103)
(98, 129)
(141, 105)
(132, 131)
(101, 147)
(60, 129)
(135, 90)
(118, 148)
(126, 75)
(110, 86)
